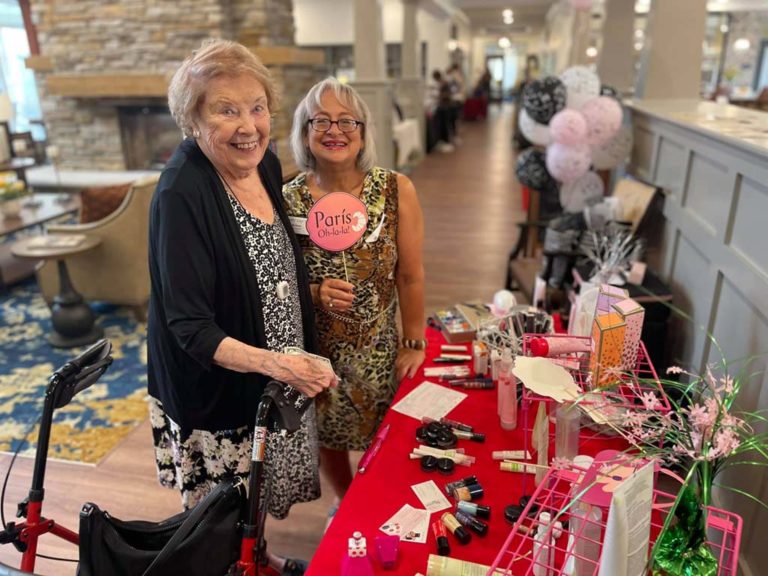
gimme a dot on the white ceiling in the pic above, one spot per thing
(486, 14)
(530, 13)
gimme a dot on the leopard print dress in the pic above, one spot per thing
(361, 343)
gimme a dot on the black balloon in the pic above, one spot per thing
(532, 171)
(544, 98)
(606, 90)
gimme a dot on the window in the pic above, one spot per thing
(15, 78)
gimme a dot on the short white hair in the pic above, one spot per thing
(349, 97)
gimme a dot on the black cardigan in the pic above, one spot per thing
(204, 288)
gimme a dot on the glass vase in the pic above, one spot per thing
(682, 549)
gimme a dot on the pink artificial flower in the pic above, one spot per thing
(650, 401)
(560, 463)
(700, 417)
(675, 370)
(727, 384)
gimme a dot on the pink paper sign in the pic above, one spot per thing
(337, 221)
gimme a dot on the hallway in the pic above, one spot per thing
(471, 203)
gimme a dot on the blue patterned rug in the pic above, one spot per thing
(94, 422)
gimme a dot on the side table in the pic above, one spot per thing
(72, 318)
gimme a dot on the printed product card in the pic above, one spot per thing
(431, 496)
(429, 399)
(625, 546)
(410, 523)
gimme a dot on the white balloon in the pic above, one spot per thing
(568, 163)
(581, 84)
(580, 193)
(503, 301)
(535, 132)
(615, 151)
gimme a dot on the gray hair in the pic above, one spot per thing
(349, 97)
(215, 57)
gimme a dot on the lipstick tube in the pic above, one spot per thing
(441, 537)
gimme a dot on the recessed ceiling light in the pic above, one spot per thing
(507, 13)
(504, 42)
(591, 52)
(639, 33)
(723, 28)
(638, 46)
(742, 44)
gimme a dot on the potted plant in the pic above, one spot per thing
(11, 191)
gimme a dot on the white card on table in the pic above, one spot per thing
(411, 524)
(429, 399)
(431, 496)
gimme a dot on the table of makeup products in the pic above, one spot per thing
(383, 500)
(385, 487)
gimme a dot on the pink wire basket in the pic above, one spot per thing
(628, 388)
(580, 543)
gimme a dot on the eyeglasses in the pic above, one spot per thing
(324, 124)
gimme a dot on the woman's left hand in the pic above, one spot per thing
(408, 362)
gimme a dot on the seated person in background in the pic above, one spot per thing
(229, 291)
(332, 141)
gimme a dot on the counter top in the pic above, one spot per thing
(741, 127)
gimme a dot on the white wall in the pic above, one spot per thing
(331, 23)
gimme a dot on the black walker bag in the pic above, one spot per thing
(202, 541)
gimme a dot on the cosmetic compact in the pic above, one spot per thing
(445, 466)
(428, 464)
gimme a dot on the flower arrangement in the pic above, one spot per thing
(11, 188)
(702, 435)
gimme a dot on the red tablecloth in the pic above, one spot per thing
(386, 486)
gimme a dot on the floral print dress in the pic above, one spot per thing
(362, 343)
(194, 463)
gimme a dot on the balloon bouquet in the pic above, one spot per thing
(577, 126)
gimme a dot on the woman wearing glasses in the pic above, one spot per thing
(332, 141)
(229, 290)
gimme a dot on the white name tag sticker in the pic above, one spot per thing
(299, 225)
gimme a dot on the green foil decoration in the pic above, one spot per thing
(683, 549)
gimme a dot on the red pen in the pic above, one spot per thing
(373, 449)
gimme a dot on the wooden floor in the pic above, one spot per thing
(471, 203)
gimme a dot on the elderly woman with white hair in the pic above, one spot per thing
(229, 290)
(356, 294)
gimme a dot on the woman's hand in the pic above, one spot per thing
(335, 295)
(308, 375)
(408, 362)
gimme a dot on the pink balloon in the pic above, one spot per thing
(603, 115)
(582, 4)
(568, 163)
(568, 127)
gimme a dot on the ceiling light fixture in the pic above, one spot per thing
(742, 45)
(504, 42)
(591, 52)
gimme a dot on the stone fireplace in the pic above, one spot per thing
(104, 68)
